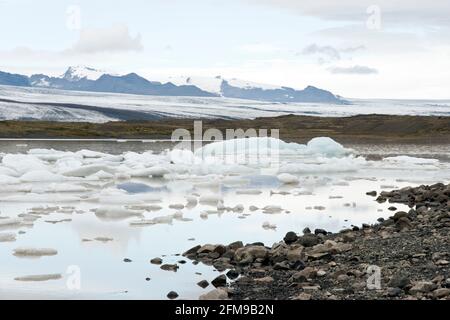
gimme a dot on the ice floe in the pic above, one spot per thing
(287, 178)
(39, 277)
(7, 237)
(34, 252)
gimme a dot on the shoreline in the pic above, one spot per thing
(403, 257)
(361, 129)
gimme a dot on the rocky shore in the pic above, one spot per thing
(404, 257)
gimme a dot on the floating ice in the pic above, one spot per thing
(268, 225)
(87, 170)
(10, 222)
(268, 146)
(212, 199)
(287, 178)
(115, 213)
(4, 179)
(40, 277)
(272, 209)
(158, 171)
(41, 176)
(22, 163)
(346, 164)
(249, 191)
(191, 200)
(101, 175)
(34, 252)
(157, 220)
(7, 237)
(34, 197)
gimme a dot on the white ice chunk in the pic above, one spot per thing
(4, 179)
(272, 209)
(7, 237)
(115, 213)
(40, 277)
(269, 147)
(22, 163)
(10, 222)
(158, 171)
(34, 252)
(211, 198)
(41, 176)
(287, 178)
(88, 170)
(267, 225)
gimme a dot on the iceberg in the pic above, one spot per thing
(268, 146)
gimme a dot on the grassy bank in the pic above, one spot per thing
(355, 129)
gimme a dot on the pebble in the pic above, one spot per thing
(156, 261)
(290, 237)
(172, 295)
(203, 284)
(220, 281)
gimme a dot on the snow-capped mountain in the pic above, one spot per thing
(242, 89)
(81, 72)
(89, 79)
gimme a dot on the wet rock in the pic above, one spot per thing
(170, 267)
(248, 254)
(308, 240)
(399, 280)
(172, 295)
(127, 260)
(320, 231)
(235, 245)
(399, 214)
(207, 248)
(232, 274)
(220, 281)
(217, 294)
(306, 231)
(392, 208)
(203, 284)
(371, 193)
(290, 237)
(192, 251)
(156, 261)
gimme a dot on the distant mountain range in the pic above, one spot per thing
(89, 79)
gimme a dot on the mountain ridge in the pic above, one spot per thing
(81, 78)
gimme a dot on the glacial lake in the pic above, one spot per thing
(82, 217)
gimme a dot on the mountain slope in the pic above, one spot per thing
(11, 79)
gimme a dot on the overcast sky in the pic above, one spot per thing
(393, 49)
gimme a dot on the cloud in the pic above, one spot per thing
(328, 53)
(358, 70)
(418, 12)
(113, 39)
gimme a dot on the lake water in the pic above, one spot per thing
(326, 196)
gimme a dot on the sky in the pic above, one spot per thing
(354, 48)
